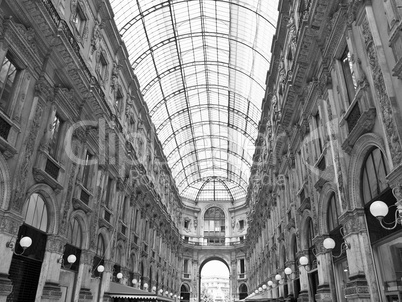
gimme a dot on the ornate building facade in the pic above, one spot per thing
(88, 203)
(330, 146)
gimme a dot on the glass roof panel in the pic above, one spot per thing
(201, 66)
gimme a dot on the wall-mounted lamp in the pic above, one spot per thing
(270, 283)
(153, 288)
(166, 293)
(329, 244)
(304, 262)
(145, 285)
(264, 287)
(161, 291)
(119, 275)
(25, 242)
(288, 272)
(100, 269)
(134, 281)
(379, 210)
(70, 259)
(260, 289)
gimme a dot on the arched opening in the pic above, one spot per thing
(214, 283)
(214, 226)
(387, 244)
(26, 265)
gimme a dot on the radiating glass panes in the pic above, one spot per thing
(202, 67)
(35, 212)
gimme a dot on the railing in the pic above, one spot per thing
(52, 169)
(4, 128)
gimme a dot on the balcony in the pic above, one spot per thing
(359, 117)
(186, 276)
(48, 170)
(82, 203)
(105, 218)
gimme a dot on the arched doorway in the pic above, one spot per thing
(214, 283)
(243, 291)
(26, 265)
(185, 292)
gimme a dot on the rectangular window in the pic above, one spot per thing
(136, 221)
(318, 125)
(108, 200)
(241, 224)
(242, 270)
(119, 100)
(103, 67)
(79, 20)
(348, 74)
(86, 170)
(186, 224)
(54, 135)
(185, 266)
(7, 79)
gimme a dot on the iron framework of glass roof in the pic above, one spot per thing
(202, 65)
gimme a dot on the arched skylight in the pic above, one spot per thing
(202, 66)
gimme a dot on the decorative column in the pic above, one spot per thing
(291, 291)
(105, 282)
(84, 277)
(304, 288)
(48, 286)
(362, 282)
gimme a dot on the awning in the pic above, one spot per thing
(263, 296)
(124, 291)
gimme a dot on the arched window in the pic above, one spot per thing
(310, 244)
(117, 264)
(35, 212)
(214, 225)
(73, 245)
(74, 234)
(99, 257)
(373, 175)
(313, 273)
(132, 269)
(100, 247)
(332, 214)
(296, 281)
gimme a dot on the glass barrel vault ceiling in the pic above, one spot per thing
(202, 66)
